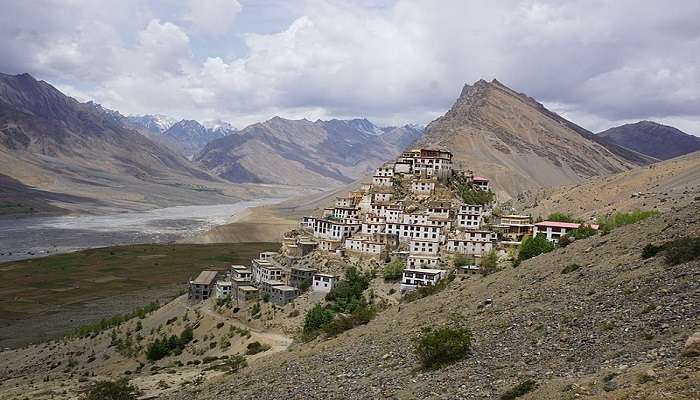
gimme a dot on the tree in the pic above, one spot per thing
(316, 317)
(112, 390)
(562, 217)
(488, 263)
(394, 269)
(534, 246)
(461, 260)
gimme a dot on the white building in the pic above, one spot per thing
(415, 219)
(553, 230)
(469, 216)
(323, 282)
(365, 246)
(384, 171)
(423, 247)
(422, 187)
(265, 270)
(413, 278)
(382, 197)
(268, 255)
(241, 272)
(406, 232)
(438, 210)
(403, 167)
(202, 287)
(481, 182)
(422, 261)
(382, 181)
(307, 222)
(332, 230)
(223, 289)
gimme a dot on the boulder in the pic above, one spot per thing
(692, 345)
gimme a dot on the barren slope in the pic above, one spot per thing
(618, 318)
(518, 143)
(661, 186)
(652, 139)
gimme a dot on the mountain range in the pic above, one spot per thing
(519, 144)
(302, 152)
(652, 139)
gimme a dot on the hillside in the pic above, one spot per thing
(652, 139)
(617, 319)
(302, 152)
(519, 144)
(661, 186)
(54, 143)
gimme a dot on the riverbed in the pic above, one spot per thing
(42, 236)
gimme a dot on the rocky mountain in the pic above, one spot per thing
(652, 139)
(520, 144)
(150, 124)
(54, 143)
(189, 137)
(302, 152)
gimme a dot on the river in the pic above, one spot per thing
(41, 236)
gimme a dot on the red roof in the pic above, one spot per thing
(480, 178)
(567, 225)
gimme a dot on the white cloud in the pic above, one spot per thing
(214, 17)
(398, 62)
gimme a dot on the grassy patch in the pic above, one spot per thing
(619, 219)
(29, 282)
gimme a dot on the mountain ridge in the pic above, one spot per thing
(311, 153)
(652, 139)
(520, 144)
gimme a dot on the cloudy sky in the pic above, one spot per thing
(598, 63)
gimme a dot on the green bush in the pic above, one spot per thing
(163, 347)
(442, 346)
(257, 347)
(461, 260)
(519, 390)
(682, 250)
(562, 217)
(394, 269)
(534, 246)
(619, 219)
(112, 390)
(341, 323)
(488, 263)
(469, 193)
(316, 317)
(583, 232)
(570, 268)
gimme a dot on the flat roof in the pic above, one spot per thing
(248, 288)
(272, 283)
(326, 275)
(205, 278)
(285, 288)
(556, 224)
(425, 270)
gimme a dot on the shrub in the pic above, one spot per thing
(651, 250)
(442, 346)
(359, 316)
(583, 232)
(112, 390)
(619, 219)
(116, 320)
(682, 250)
(488, 263)
(562, 217)
(470, 194)
(163, 347)
(257, 347)
(570, 268)
(316, 317)
(534, 246)
(393, 270)
(461, 260)
(521, 389)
